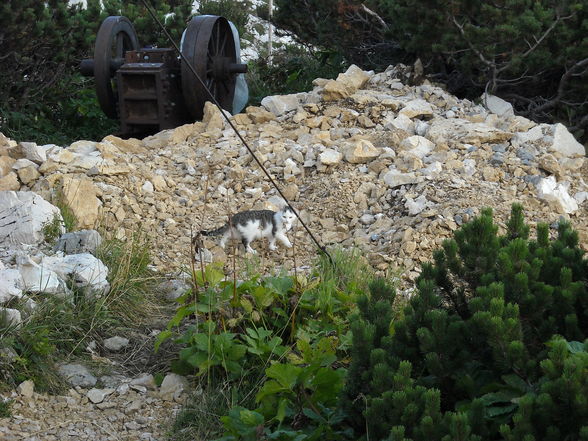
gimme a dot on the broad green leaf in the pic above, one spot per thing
(282, 407)
(281, 285)
(263, 297)
(286, 374)
(269, 388)
(251, 418)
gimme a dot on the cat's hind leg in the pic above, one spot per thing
(226, 236)
(247, 246)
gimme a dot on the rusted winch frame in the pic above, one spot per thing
(151, 89)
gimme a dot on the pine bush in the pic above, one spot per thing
(491, 347)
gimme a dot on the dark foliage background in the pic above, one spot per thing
(533, 53)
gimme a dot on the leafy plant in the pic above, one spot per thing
(52, 230)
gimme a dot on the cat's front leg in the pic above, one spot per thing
(272, 245)
(284, 239)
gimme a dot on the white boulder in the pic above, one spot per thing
(417, 146)
(497, 105)
(37, 278)
(556, 195)
(10, 317)
(330, 157)
(84, 269)
(565, 143)
(279, 105)
(24, 214)
(10, 285)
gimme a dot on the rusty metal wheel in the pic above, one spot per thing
(115, 37)
(209, 46)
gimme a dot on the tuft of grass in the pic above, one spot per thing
(349, 271)
(52, 229)
(199, 419)
(5, 408)
(59, 328)
(131, 280)
(68, 217)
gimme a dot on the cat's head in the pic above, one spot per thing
(288, 217)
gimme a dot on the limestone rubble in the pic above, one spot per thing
(367, 160)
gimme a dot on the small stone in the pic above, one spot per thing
(26, 389)
(171, 385)
(77, 375)
(330, 157)
(115, 343)
(98, 395)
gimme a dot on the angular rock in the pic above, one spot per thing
(77, 375)
(39, 279)
(83, 147)
(10, 285)
(172, 387)
(116, 343)
(98, 395)
(417, 146)
(26, 389)
(395, 178)
(444, 130)
(24, 215)
(565, 143)
(418, 107)
(354, 78)
(28, 174)
(9, 182)
(33, 152)
(10, 317)
(330, 157)
(212, 118)
(77, 242)
(280, 104)
(497, 105)
(346, 84)
(259, 115)
(172, 289)
(84, 269)
(145, 380)
(6, 163)
(81, 196)
(361, 152)
(556, 195)
(416, 206)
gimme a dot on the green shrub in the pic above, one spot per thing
(292, 70)
(492, 343)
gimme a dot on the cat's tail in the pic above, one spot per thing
(216, 232)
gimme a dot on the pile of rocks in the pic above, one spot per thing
(367, 160)
(124, 408)
(28, 265)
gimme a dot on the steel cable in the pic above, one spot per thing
(222, 111)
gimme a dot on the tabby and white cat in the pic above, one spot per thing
(247, 226)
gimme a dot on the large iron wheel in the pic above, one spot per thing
(208, 45)
(115, 37)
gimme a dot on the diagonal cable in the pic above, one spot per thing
(222, 111)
